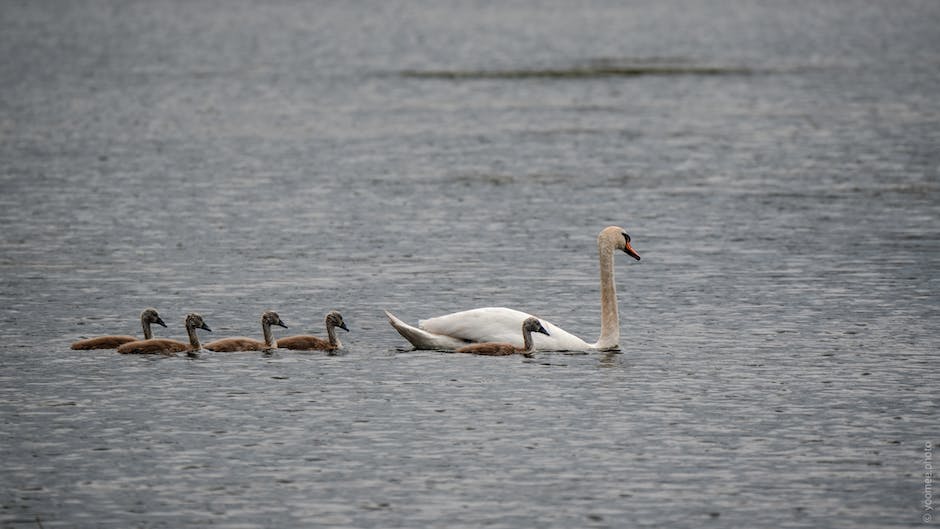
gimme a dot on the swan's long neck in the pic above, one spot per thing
(193, 339)
(610, 317)
(268, 335)
(148, 334)
(331, 334)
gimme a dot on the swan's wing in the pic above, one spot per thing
(489, 324)
(500, 324)
(422, 339)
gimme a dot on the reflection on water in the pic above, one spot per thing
(777, 337)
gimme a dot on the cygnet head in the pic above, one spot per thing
(534, 325)
(271, 318)
(618, 237)
(151, 316)
(335, 319)
(195, 321)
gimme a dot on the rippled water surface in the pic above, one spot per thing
(776, 165)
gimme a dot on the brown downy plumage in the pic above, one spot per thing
(312, 343)
(169, 347)
(147, 317)
(529, 326)
(229, 345)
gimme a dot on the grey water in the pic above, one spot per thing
(775, 163)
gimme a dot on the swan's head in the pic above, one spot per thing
(533, 325)
(617, 237)
(270, 318)
(151, 316)
(335, 319)
(195, 321)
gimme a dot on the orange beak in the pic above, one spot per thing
(629, 250)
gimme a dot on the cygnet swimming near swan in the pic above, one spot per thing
(529, 326)
(229, 345)
(166, 347)
(147, 317)
(312, 343)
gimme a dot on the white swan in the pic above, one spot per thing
(499, 324)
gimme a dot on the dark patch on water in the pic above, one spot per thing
(595, 69)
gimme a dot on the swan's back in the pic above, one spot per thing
(234, 345)
(159, 346)
(500, 324)
(490, 349)
(305, 343)
(103, 342)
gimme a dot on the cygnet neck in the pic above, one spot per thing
(193, 338)
(331, 334)
(528, 345)
(145, 324)
(269, 340)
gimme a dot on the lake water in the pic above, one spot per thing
(776, 164)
